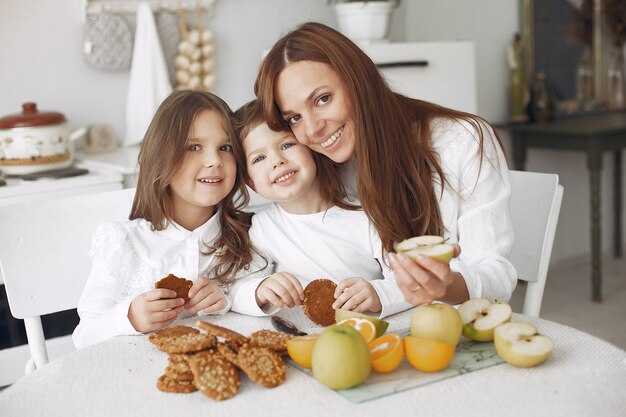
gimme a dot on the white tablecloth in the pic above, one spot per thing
(585, 376)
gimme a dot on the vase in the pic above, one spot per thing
(365, 22)
(584, 79)
(616, 80)
(542, 106)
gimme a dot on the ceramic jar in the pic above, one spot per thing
(34, 141)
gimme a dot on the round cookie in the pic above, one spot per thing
(214, 376)
(166, 384)
(319, 296)
(174, 283)
(262, 365)
(159, 337)
(276, 341)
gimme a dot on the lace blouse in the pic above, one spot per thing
(127, 259)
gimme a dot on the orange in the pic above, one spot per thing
(387, 352)
(300, 349)
(427, 355)
(363, 326)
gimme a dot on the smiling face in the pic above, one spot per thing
(313, 101)
(207, 173)
(280, 168)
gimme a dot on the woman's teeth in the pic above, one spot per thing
(333, 138)
(284, 177)
(206, 180)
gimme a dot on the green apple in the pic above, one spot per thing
(381, 325)
(437, 321)
(519, 344)
(428, 245)
(341, 358)
(480, 317)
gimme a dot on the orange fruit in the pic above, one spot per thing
(427, 355)
(387, 352)
(300, 349)
(363, 326)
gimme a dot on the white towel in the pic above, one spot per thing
(149, 81)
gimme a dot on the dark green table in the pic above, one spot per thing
(593, 135)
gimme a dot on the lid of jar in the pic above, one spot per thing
(30, 116)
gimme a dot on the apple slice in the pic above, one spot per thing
(419, 241)
(427, 245)
(519, 344)
(380, 325)
(480, 317)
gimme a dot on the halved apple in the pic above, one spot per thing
(481, 316)
(380, 325)
(427, 245)
(519, 344)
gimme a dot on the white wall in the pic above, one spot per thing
(41, 44)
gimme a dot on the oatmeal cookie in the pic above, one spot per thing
(319, 296)
(166, 384)
(174, 283)
(214, 376)
(262, 365)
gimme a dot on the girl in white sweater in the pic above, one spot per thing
(183, 221)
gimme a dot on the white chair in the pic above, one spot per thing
(44, 257)
(535, 206)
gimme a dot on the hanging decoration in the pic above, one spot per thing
(195, 60)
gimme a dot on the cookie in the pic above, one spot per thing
(180, 285)
(158, 337)
(262, 365)
(214, 376)
(228, 353)
(166, 384)
(187, 343)
(231, 337)
(178, 367)
(319, 296)
(277, 341)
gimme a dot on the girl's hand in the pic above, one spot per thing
(357, 294)
(280, 289)
(206, 295)
(424, 282)
(154, 309)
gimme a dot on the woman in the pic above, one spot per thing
(416, 167)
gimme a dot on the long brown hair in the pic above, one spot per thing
(394, 158)
(160, 156)
(328, 177)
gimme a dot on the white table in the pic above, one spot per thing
(585, 376)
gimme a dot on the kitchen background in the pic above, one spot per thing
(42, 46)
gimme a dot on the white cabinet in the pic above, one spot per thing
(443, 73)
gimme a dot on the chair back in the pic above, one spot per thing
(535, 206)
(44, 254)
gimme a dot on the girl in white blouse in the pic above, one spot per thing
(184, 221)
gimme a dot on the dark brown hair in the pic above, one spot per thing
(394, 158)
(161, 154)
(250, 115)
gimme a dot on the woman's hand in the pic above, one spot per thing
(280, 289)
(429, 280)
(206, 295)
(154, 309)
(357, 294)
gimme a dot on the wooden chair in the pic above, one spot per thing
(44, 257)
(535, 206)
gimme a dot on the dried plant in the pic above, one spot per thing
(615, 15)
